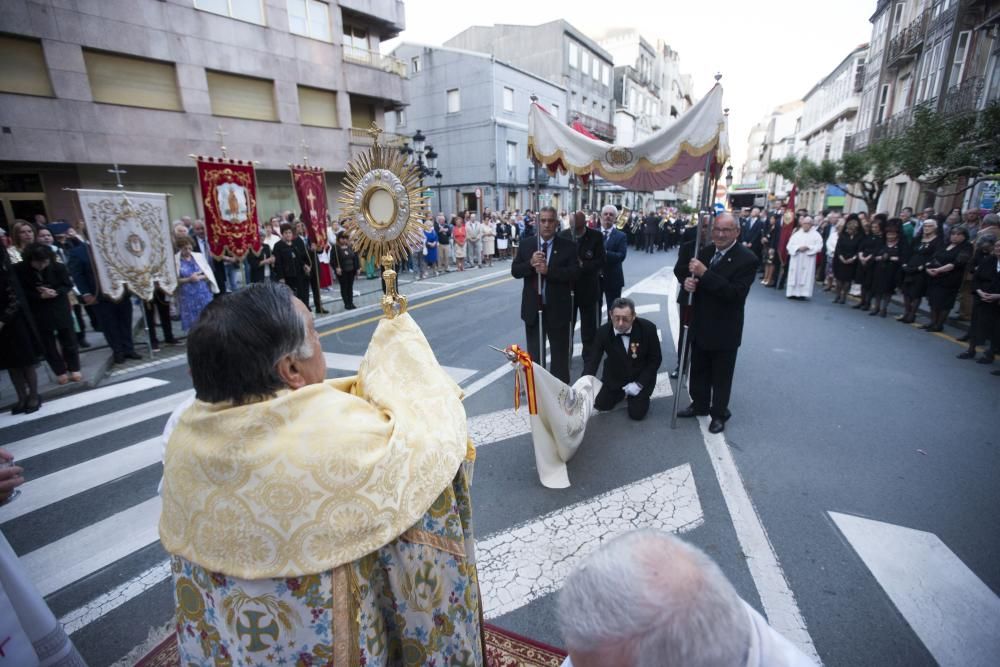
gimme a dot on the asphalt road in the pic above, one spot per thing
(833, 411)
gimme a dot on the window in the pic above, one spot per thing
(958, 66)
(454, 101)
(555, 110)
(883, 98)
(356, 43)
(317, 107)
(595, 70)
(310, 18)
(605, 75)
(415, 64)
(632, 100)
(508, 99)
(585, 62)
(244, 10)
(574, 55)
(134, 82)
(362, 114)
(897, 18)
(511, 154)
(934, 75)
(241, 96)
(400, 118)
(24, 71)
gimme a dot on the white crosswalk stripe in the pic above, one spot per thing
(82, 400)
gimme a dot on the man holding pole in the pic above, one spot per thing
(548, 265)
(719, 281)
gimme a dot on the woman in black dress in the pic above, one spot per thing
(768, 242)
(984, 273)
(887, 263)
(914, 278)
(346, 265)
(845, 257)
(870, 246)
(945, 273)
(291, 265)
(20, 347)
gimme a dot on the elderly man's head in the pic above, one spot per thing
(608, 216)
(252, 343)
(647, 598)
(725, 231)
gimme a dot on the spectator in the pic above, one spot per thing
(196, 283)
(983, 275)
(648, 598)
(945, 272)
(201, 246)
(489, 239)
(914, 277)
(443, 230)
(291, 264)
(459, 234)
(869, 247)
(429, 252)
(474, 239)
(20, 346)
(46, 285)
(845, 257)
(22, 235)
(347, 266)
(888, 261)
(909, 224)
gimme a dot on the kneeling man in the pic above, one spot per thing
(633, 357)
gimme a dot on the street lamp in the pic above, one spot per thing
(439, 177)
(418, 142)
(729, 176)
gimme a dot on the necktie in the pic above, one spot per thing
(607, 234)
(716, 258)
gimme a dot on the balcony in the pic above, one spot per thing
(603, 129)
(361, 136)
(964, 97)
(375, 59)
(906, 45)
(859, 80)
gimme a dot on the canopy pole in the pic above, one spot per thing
(684, 360)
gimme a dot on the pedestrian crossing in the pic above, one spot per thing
(84, 550)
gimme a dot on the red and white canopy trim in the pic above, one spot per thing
(664, 159)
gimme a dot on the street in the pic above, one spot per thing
(848, 500)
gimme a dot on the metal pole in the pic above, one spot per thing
(541, 330)
(572, 297)
(145, 321)
(682, 363)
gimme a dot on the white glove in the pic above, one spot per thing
(632, 389)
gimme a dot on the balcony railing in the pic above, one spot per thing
(601, 128)
(906, 44)
(375, 59)
(963, 97)
(362, 136)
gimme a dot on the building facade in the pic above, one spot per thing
(86, 85)
(561, 54)
(473, 109)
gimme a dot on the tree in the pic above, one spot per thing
(864, 174)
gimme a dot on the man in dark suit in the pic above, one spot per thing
(684, 256)
(587, 288)
(633, 356)
(753, 233)
(549, 263)
(650, 230)
(615, 250)
(720, 279)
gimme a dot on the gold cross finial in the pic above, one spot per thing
(374, 131)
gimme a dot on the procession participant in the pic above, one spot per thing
(20, 346)
(347, 546)
(587, 288)
(753, 232)
(549, 262)
(347, 267)
(312, 275)
(803, 247)
(615, 251)
(630, 348)
(291, 264)
(260, 264)
(720, 281)
(888, 262)
(650, 228)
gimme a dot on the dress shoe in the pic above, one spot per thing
(984, 360)
(674, 374)
(966, 355)
(717, 426)
(30, 407)
(18, 408)
(133, 355)
(963, 338)
(119, 359)
(689, 412)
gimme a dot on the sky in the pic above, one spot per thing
(769, 51)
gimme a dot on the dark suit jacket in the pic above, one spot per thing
(717, 323)
(752, 233)
(619, 367)
(590, 251)
(564, 268)
(615, 251)
(289, 262)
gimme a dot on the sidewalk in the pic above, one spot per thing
(96, 362)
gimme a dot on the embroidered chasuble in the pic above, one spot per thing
(328, 525)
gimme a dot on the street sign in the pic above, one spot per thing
(479, 193)
(719, 207)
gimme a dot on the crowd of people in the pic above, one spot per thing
(952, 261)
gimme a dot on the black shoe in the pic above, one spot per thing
(858, 306)
(963, 339)
(966, 355)
(30, 408)
(674, 374)
(934, 328)
(18, 408)
(82, 342)
(717, 426)
(132, 355)
(986, 361)
(689, 412)
(119, 359)
(873, 313)
(173, 341)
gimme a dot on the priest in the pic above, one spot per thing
(803, 246)
(314, 521)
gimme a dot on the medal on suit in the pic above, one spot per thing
(634, 347)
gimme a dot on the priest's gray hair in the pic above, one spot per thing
(234, 348)
(657, 599)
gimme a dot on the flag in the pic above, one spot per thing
(131, 240)
(310, 188)
(229, 198)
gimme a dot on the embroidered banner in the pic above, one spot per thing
(310, 187)
(131, 240)
(229, 197)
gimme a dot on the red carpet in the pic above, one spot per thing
(503, 649)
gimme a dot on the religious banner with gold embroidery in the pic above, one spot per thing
(310, 187)
(131, 241)
(229, 199)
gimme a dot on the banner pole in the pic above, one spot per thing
(145, 321)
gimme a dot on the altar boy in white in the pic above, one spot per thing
(803, 247)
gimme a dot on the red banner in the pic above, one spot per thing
(310, 187)
(229, 197)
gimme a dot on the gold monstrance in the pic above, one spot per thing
(385, 212)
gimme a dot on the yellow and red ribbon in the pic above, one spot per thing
(524, 359)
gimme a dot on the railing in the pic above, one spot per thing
(361, 135)
(909, 38)
(963, 97)
(859, 79)
(942, 18)
(601, 128)
(375, 59)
